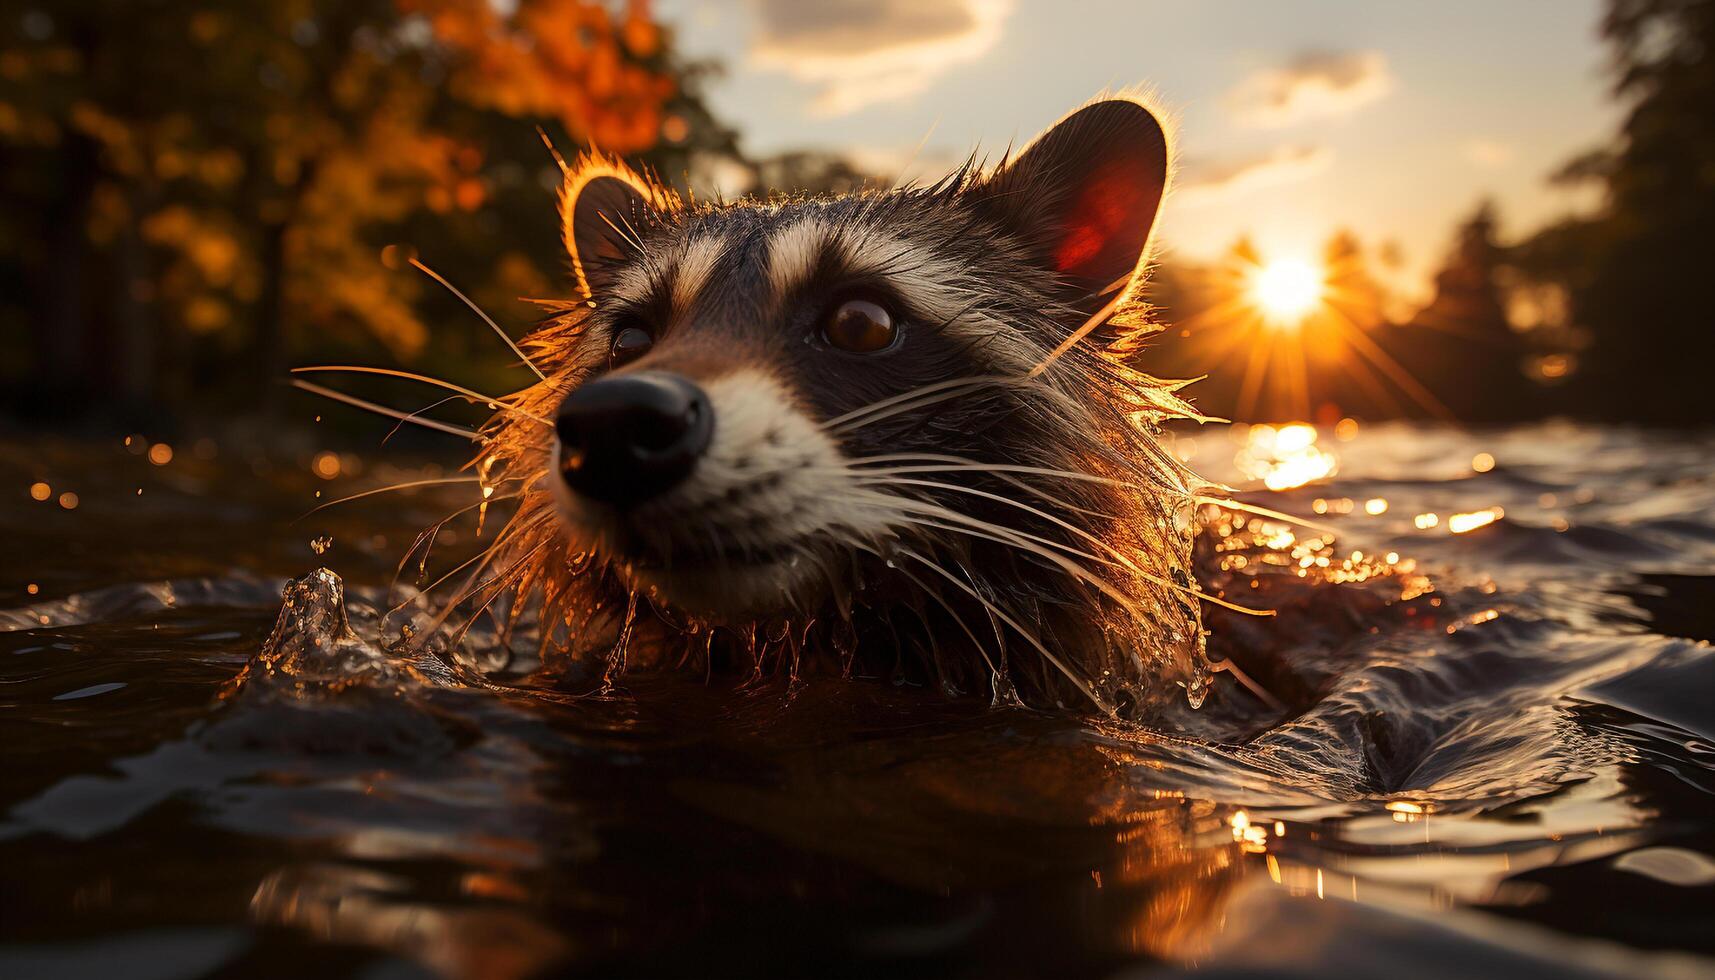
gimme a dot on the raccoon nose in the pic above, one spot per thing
(629, 437)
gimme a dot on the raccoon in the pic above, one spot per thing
(897, 432)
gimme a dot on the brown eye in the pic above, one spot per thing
(860, 326)
(629, 344)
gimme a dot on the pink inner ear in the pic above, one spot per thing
(1107, 205)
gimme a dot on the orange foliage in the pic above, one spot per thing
(566, 59)
(247, 160)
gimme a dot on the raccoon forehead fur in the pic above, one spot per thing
(982, 505)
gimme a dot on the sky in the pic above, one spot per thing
(1293, 118)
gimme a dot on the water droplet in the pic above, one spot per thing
(321, 544)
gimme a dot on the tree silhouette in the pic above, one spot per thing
(1462, 347)
(1636, 270)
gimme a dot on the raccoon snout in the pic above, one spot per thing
(627, 438)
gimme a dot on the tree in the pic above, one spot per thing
(215, 183)
(1461, 347)
(1635, 271)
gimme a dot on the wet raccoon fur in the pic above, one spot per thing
(892, 433)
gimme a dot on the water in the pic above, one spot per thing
(1492, 751)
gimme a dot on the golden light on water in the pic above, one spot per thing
(1286, 291)
(1251, 837)
(1284, 457)
(1461, 523)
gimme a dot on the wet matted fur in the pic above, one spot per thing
(983, 505)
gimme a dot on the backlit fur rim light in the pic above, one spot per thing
(591, 166)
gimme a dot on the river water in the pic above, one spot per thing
(1487, 747)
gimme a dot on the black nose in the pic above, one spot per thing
(629, 437)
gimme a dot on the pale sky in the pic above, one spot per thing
(1294, 118)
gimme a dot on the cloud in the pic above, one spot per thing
(857, 53)
(1312, 85)
(1202, 183)
(1488, 153)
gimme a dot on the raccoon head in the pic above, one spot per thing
(779, 408)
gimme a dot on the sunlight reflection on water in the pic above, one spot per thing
(1492, 723)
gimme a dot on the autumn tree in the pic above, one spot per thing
(199, 193)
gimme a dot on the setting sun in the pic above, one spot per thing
(1287, 290)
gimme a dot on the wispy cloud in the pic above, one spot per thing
(857, 53)
(1205, 182)
(1313, 85)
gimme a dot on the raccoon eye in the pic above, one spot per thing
(860, 326)
(629, 343)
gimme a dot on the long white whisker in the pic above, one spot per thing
(1228, 504)
(936, 595)
(485, 558)
(1096, 319)
(426, 541)
(432, 274)
(947, 389)
(883, 476)
(1017, 627)
(1093, 539)
(392, 413)
(1040, 549)
(1247, 683)
(502, 580)
(391, 489)
(474, 397)
(960, 463)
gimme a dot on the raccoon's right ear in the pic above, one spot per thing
(606, 210)
(1083, 198)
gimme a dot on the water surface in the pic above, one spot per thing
(1490, 748)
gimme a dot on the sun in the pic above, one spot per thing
(1285, 291)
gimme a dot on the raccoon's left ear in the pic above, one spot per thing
(1083, 198)
(605, 210)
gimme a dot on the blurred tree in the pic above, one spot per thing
(813, 173)
(1634, 271)
(1467, 301)
(1462, 347)
(199, 193)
